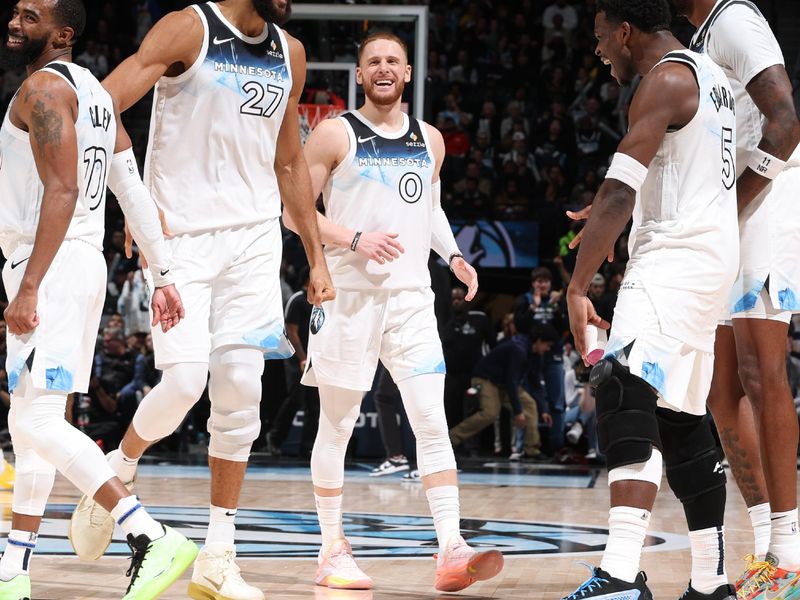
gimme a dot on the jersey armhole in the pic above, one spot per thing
(201, 57)
(62, 71)
(287, 53)
(351, 149)
(423, 127)
(681, 59)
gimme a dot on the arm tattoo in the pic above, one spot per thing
(46, 125)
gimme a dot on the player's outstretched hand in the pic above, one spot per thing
(582, 215)
(21, 316)
(380, 247)
(467, 275)
(320, 285)
(167, 307)
(581, 314)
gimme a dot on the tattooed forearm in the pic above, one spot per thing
(46, 125)
(749, 478)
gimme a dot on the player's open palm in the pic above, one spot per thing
(320, 285)
(379, 246)
(167, 307)
(467, 275)
(21, 316)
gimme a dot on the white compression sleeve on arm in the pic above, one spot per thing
(141, 214)
(443, 242)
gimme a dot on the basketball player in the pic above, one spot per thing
(674, 174)
(380, 173)
(767, 292)
(58, 137)
(224, 151)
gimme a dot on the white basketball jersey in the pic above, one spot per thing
(21, 189)
(214, 129)
(684, 244)
(384, 184)
(737, 37)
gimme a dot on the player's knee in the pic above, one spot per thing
(694, 470)
(232, 432)
(626, 415)
(33, 482)
(185, 383)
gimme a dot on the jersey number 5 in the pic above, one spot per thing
(728, 168)
(255, 104)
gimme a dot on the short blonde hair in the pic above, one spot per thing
(381, 35)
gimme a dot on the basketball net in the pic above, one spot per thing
(312, 114)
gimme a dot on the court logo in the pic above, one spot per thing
(284, 535)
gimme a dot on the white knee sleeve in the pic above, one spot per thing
(647, 471)
(423, 398)
(163, 410)
(33, 482)
(235, 393)
(339, 409)
(39, 424)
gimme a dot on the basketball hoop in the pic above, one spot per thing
(312, 114)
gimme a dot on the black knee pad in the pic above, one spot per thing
(627, 427)
(694, 468)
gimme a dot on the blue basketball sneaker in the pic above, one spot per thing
(602, 585)
(723, 592)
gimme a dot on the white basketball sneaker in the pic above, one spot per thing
(216, 576)
(92, 527)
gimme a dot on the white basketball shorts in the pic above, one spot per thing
(397, 327)
(59, 353)
(770, 246)
(229, 281)
(679, 373)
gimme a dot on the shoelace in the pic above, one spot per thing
(139, 554)
(594, 582)
(226, 563)
(761, 573)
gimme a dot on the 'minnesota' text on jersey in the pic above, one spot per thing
(214, 129)
(383, 184)
(21, 189)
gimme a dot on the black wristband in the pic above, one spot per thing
(354, 243)
(453, 256)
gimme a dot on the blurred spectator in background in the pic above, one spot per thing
(134, 303)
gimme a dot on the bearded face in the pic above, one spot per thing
(20, 50)
(274, 11)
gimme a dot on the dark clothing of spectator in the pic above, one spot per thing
(506, 366)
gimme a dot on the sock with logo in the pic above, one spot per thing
(708, 559)
(131, 516)
(17, 556)
(221, 528)
(446, 512)
(329, 512)
(124, 466)
(759, 517)
(627, 528)
(785, 539)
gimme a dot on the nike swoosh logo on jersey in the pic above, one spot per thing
(362, 140)
(163, 273)
(218, 41)
(16, 264)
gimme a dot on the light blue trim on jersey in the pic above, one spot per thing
(59, 378)
(787, 298)
(14, 374)
(431, 368)
(653, 374)
(272, 341)
(748, 301)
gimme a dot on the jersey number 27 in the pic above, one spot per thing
(261, 102)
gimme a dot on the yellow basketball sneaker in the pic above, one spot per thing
(216, 576)
(18, 588)
(460, 566)
(157, 564)
(338, 569)
(7, 477)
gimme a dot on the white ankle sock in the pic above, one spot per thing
(134, 520)
(759, 517)
(708, 559)
(329, 512)
(18, 553)
(221, 528)
(446, 512)
(124, 466)
(627, 528)
(784, 540)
